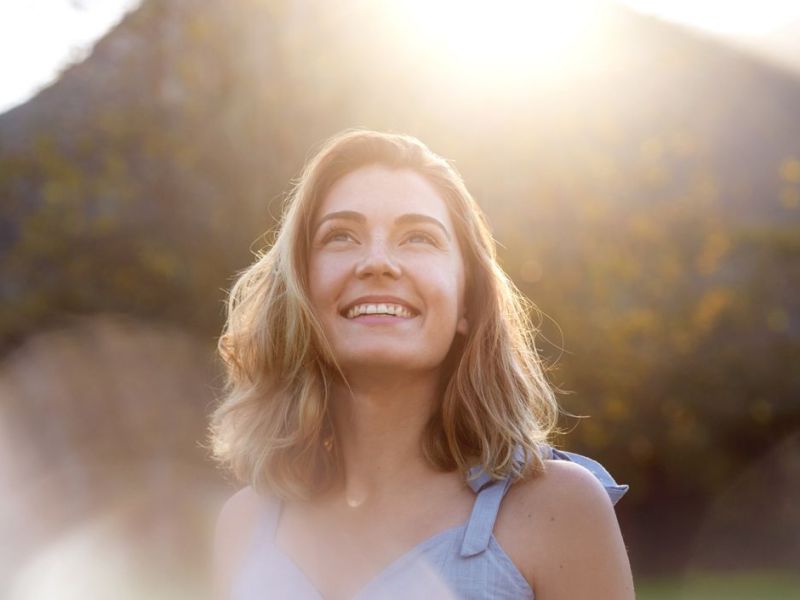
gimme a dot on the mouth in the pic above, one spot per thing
(360, 309)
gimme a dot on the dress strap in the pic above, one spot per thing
(262, 537)
(484, 511)
(267, 522)
(484, 514)
(491, 492)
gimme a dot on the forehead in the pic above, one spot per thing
(380, 192)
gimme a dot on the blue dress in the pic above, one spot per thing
(463, 562)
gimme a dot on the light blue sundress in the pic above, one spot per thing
(463, 562)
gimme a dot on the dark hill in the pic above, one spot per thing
(146, 171)
(238, 80)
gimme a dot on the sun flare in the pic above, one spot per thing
(733, 18)
(503, 37)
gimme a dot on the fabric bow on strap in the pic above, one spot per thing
(478, 479)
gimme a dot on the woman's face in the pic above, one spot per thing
(386, 275)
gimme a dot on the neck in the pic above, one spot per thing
(379, 420)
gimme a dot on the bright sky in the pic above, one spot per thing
(39, 37)
(734, 17)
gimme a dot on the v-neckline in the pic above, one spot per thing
(390, 567)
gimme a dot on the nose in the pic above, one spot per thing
(378, 261)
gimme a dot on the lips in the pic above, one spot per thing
(377, 300)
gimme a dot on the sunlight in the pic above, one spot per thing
(118, 552)
(39, 48)
(742, 18)
(501, 38)
(84, 563)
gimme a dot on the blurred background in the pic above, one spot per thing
(639, 163)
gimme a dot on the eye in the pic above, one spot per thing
(417, 237)
(339, 235)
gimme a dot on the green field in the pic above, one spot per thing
(754, 585)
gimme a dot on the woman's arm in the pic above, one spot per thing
(584, 555)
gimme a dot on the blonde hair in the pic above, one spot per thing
(273, 429)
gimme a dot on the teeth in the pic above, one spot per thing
(379, 309)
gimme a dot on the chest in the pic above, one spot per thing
(434, 569)
(425, 550)
(341, 559)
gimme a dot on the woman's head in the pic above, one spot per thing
(385, 274)
(286, 319)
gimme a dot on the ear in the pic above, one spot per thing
(463, 326)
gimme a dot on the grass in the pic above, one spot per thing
(752, 585)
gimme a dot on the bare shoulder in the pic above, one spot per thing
(235, 525)
(568, 487)
(560, 529)
(553, 503)
(240, 507)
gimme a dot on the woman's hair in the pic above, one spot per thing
(273, 429)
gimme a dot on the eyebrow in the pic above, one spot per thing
(406, 219)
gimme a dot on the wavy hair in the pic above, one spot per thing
(272, 427)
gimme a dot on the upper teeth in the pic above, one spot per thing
(378, 309)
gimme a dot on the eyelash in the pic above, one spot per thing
(337, 232)
(428, 238)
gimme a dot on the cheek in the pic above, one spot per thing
(318, 283)
(449, 283)
(327, 277)
(460, 286)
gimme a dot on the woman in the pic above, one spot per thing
(388, 409)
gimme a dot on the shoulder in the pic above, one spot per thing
(239, 506)
(562, 531)
(556, 501)
(234, 528)
(568, 487)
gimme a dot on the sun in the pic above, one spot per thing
(500, 38)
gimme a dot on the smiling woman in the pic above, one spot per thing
(387, 408)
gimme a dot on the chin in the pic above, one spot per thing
(387, 359)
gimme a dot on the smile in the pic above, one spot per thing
(394, 310)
